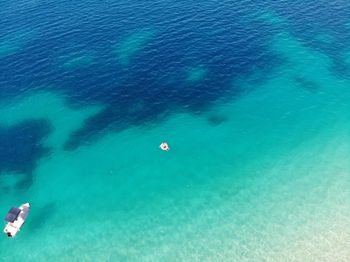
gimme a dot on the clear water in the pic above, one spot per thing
(253, 99)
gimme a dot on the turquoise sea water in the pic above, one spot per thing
(252, 99)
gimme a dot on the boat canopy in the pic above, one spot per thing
(12, 214)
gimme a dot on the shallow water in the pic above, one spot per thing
(253, 103)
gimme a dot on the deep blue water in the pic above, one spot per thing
(217, 35)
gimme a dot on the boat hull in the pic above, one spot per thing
(12, 228)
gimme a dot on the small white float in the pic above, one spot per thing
(164, 146)
(15, 219)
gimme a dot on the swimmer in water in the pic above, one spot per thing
(164, 146)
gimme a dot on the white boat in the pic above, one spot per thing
(15, 219)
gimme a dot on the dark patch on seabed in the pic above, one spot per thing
(142, 96)
(306, 84)
(219, 37)
(21, 148)
(216, 120)
(313, 21)
(41, 216)
(212, 36)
